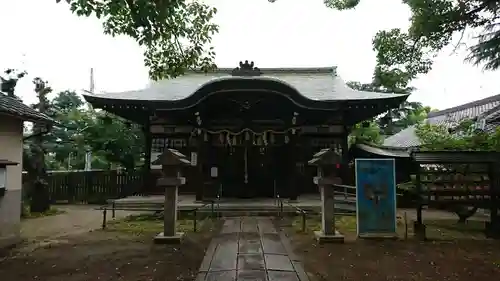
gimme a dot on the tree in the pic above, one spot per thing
(397, 119)
(111, 140)
(115, 139)
(8, 82)
(35, 166)
(435, 22)
(399, 60)
(175, 34)
(366, 132)
(464, 136)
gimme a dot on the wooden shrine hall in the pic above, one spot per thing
(249, 131)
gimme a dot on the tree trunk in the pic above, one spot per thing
(40, 198)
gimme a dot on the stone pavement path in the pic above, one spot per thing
(250, 248)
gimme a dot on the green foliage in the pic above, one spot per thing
(175, 34)
(400, 59)
(9, 81)
(434, 22)
(341, 4)
(367, 132)
(395, 120)
(111, 140)
(462, 137)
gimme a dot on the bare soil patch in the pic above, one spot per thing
(454, 252)
(120, 253)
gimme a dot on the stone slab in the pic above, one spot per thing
(271, 244)
(249, 244)
(225, 255)
(301, 272)
(322, 238)
(278, 262)
(251, 262)
(228, 275)
(266, 226)
(288, 247)
(162, 239)
(231, 226)
(249, 225)
(209, 255)
(251, 275)
(282, 276)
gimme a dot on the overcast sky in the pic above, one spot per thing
(48, 41)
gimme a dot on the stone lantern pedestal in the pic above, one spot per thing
(326, 160)
(171, 161)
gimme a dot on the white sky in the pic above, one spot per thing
(45, 39)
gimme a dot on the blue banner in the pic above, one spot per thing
(376, 197)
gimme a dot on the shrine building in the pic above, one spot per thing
(248, 131)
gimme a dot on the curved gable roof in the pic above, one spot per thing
(320, 84)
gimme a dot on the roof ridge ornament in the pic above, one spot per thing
(246, 69)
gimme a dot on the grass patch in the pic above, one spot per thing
(443, 229)
(27, 214)
(146, 224)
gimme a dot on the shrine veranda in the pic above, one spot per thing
(248, 131)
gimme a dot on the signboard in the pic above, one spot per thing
(376, 197)
(3, 177)
(214, 172)
(194, 158)
(154, 156)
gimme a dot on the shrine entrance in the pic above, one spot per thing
(247, 172)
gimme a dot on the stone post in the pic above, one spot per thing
(171, 161)
(325, 161)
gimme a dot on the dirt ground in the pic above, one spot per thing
(452, 254)
(102, 255)
(72, 247)
(401, 260)
(75, 219)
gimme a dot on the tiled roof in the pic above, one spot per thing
(14, 107)
(487, 108)
(313, 83)
(395, 152)
(405, 138)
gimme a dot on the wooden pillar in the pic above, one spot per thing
(147, 184)
(201, 152)
(293, 154)
(344, 166)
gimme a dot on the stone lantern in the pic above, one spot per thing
(326, 162)
(171, 161)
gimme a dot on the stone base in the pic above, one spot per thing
(322, 238)
(381, 236)
(162, 239)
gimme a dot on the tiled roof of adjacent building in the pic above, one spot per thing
(314, 83)
(14, 107)
(488, 108)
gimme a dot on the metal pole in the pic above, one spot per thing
(212, 209)
(194, 220)
(303, 221)
(104, 218)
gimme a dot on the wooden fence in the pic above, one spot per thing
(92, 187)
